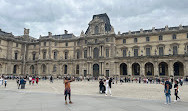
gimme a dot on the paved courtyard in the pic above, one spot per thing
(126, 97)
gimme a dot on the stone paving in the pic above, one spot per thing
(126, 97)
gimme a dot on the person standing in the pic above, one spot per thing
(30, 79)
(51, 79)
(37, 80)
(33, 80)
(108, 87)
(167, 87)
(176, 90)
(5, 83)
(67, 90)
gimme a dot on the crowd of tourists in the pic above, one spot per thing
(105, 83)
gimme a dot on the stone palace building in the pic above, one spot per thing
(97, 52)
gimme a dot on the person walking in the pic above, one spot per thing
(176, 90)
(67, 90)
(108, 87)
(167, 91)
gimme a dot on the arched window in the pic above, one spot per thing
(96, 29)
(77, 69)
(96, 53)
(54, 68)
(15, 69)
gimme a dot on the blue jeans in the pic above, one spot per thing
(168, 98)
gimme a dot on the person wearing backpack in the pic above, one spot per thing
(167, 88)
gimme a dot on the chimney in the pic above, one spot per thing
(141, 30)
(180, 27)
(66, 32)
(26, 32)
(129, 32)
(153, 29)
(166, 27)
(49, 34)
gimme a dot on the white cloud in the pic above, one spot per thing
(42, 16)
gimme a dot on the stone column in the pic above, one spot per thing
(129, 69)
(142, 69)
(170, 68)
(156, 69)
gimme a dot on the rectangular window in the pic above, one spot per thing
(147, 39)
(66, 44)
(174, 36)
(135, 52)
(124, 41)
(16, 56)
(175, 50)
(187, 49)
(147, 51)
(160, 37)
(16, 44)
(107, 73)
(66, 55)
(124, 52)
(44, 55)
(85, 41)
(34, 56)
(0, 42)
(85, 73)
(55, 55)
(107, 39)
(44, 43)
(107, 52)
(85, 54)
(78, 55)
(34, 46)
(78, 43)
(96, 41)
(55, 43)
(135, 40)
(161, 51)
(187, 35)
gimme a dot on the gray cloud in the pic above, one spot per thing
(42, 16)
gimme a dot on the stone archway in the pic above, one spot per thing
(123, 69)
(163, 69)
(95, 70)
(136, 69)
(178, 69)
(15, 69)
(149, 69)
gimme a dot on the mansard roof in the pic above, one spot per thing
(60, 36)
(3, 33)
(166, 29)
(104, 17)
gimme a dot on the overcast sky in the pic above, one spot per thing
(43, 16)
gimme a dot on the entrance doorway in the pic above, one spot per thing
(95, 70)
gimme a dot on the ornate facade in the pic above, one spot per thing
(97, 52)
